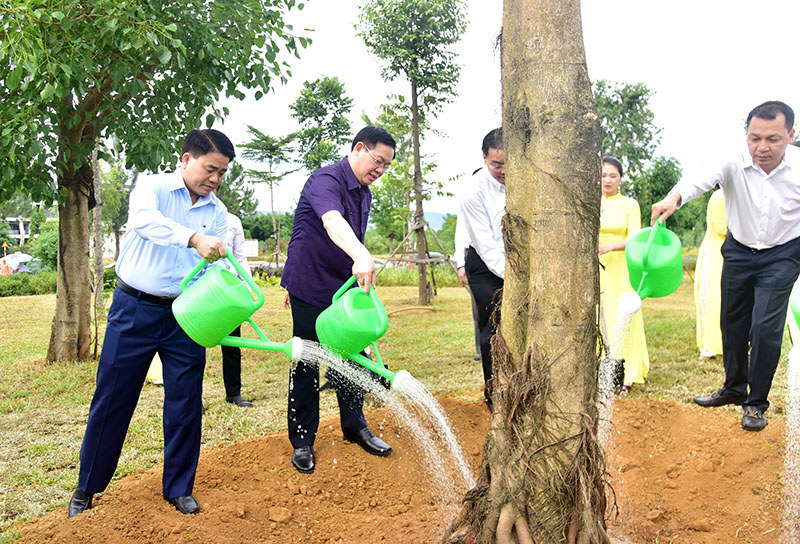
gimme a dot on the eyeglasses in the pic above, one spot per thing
(378, 162)
(496, 166)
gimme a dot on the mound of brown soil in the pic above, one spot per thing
(681, 475)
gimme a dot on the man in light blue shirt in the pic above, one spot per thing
(173, 221)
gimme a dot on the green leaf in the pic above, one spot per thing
(210, 120)
(48, 92)
(164, 54)
(172, 27)
(57, 15)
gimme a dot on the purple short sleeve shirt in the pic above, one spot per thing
(315, 266)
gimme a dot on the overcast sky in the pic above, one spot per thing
(708, 62)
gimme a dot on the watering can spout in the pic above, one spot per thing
(403, 382)
(296, 352)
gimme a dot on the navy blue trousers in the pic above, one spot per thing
(756, 285)
(303, 413)
(136, 331)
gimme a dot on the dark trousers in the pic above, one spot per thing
(303, 413)
(756, 285)
(136, 331)
(475, 320)
(232, 367)
(485, 286)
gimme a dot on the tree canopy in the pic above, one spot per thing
(322, 109)
(146, 72)
(143, 72)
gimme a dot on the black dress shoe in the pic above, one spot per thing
(79, 503)
(185, 505)
(753, 419)
(238, 400)
(371, 443)
(303, 459)
(719, 398)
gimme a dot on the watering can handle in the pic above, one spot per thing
(372, 294)
(650, 239)
(236, 266)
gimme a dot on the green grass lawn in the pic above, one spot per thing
(43, 407)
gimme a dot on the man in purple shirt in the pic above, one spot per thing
(326, 249)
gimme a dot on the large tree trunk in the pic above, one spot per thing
(542, 474)
(419, 215)
(70, 333)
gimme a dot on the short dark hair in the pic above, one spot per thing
(374, 135)
(492, 140)
(202, 142)
(770, 110)
(608, 159)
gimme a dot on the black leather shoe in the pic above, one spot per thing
(79, 503)
(753, 419)
(185, 505)
(719, 398)
(303, 459)
(371, 443)
(238, 400)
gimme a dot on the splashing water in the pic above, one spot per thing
(443, 458)
(791, 460)
(627, 305)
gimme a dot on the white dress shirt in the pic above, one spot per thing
(483, 206)
(234, 241)
(154, 256)
(763, 210)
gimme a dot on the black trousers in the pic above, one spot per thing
(485, 286)
(232, 367)
(756, 285)
(303, 413)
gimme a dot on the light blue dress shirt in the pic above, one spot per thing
(154, 256)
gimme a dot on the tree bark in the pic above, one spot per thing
(419, 214)
(70, 332)
(542, 476)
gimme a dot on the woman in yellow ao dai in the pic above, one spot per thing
(619, 219)
(708, 273)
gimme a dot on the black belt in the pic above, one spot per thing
(141, 295)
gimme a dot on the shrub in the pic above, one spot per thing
(45, 246)
(17, 285)
(109, 278)
(409, 276)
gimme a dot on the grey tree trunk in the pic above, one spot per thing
(70, 332)
(97, 227)
(419, 214)
(542, 474)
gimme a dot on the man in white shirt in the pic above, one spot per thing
(483, 206)
(232, 355)
(761, 255)
(461, 245)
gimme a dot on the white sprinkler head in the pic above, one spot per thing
(402, 381)
(297, 348)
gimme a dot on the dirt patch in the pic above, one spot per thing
(681, 474)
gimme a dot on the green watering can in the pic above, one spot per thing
(353, 321)
(655, 264)
(794, 305)
(218, 302)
